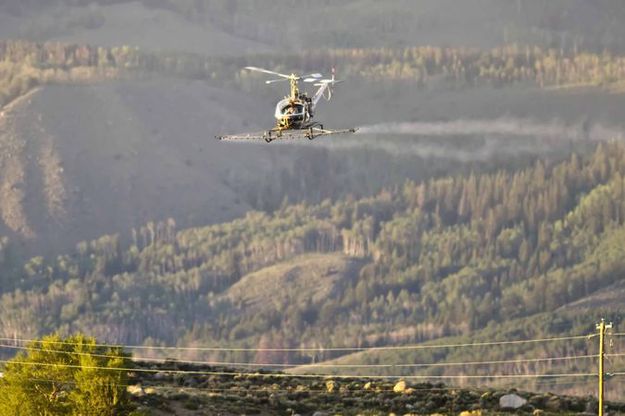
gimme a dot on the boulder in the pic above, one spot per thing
(136, 390)
(400, 387)
(331, 386)
(149, 390)
(538, 401)
(553, 404)
(511, 401)
(471, 413)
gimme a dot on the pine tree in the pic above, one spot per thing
(70, 376)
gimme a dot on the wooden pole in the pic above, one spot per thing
(602, 327)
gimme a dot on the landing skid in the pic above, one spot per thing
(268, 136)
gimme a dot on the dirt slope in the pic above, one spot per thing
(609, 299)
(310, 278)
(79, 162)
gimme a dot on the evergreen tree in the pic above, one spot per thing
(70, 376)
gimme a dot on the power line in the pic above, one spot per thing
(283, 375)
(317, 349)
(320, 365)
(451, 364)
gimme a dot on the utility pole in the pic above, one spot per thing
(602, 327)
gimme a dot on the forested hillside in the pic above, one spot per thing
(408, 255)
(416, 262)
(26, 64)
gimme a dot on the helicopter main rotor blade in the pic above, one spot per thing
(320, 82)
(315, 75)
(266, 71)
(311, 77)
(272, 81)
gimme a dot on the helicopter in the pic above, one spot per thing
(294, 113)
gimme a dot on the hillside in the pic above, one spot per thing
(242, 26)
(484, 256)
(83, 161)
(98, 162)
(309, 279)
(113, 138)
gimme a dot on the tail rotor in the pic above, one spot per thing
(328, 84)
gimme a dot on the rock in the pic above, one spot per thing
(487, 400)
(471, 413)
(344, 389)
(553, 404)
(511, 401)
(367, 386)
(538, 412)
(136, 390)
(400, 387)
(318, 413)
(331, 386)
(149, 390)
(575, 404)
(538, 401)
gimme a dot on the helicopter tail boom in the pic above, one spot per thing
(324, 85)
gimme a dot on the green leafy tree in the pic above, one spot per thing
(71, 376)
